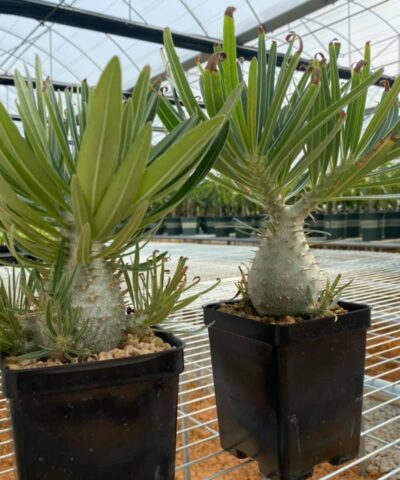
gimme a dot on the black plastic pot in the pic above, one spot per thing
(207, 224)
(315, 224)
(6, 255)
(108, 420)
(371, 226)
(223, 226)
(259, 221)
(353, 225)
(289, 396)
(189, 225)
(335, 225)
(173, 225)
(392, 225)
(242, 226)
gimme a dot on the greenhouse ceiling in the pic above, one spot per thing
(76, 38)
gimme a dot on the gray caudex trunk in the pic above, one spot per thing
(96, 292)
(284, 276)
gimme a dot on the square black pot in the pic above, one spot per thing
(106, 420)
(289, 396)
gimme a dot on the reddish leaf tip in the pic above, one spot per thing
(213, 61)
(230, 11)
(359, 65)
(385, 84)
(293, 35)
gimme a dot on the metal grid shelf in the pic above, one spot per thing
(376, 280)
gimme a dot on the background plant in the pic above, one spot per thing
(296, 141)
(84, 177)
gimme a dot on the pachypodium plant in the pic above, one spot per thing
(80, 184)
(296, 141)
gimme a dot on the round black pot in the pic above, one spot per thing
(241, 230)
(371, 226)
(335, 225)
(106, 420)
(315, 224)
(161, 228)
(259, 221)
(6, 255)
(173, 225)
(289, 396)
(189, 225)
(392, 225)
(223, 226)
(353, 225)
(208, 224)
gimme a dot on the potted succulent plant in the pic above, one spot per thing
(78, 189)
(288, 363)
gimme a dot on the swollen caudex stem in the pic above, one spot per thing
(97, 293)
(284, 276)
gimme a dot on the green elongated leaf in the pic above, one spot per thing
(123, 238)
(11, 199)
(80, 209)
(98, 156)
(349, 174)
(213, 92)
(33, 124)
(168, 114)
(381, 113)
(139, 100)
(84, 245)
(272, 58)
(201, 171)
(123, 189)
(262, 82)
(230, 74)
(303, 164)
(231, 77)
(39, 89)
(252, 103)
(179, 76)
(183, 153)
(22, 165)
(30, 240)
(296, 121)
(126, 129)
(163, 145)
(298, 139)
(279, 95)
(57, 123)
(72, 120)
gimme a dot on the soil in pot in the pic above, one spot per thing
(289, 395)
(98, 419)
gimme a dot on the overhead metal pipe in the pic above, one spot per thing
(94, 21)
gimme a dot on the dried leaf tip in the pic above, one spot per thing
(322, 58)
(230, 11)
(291, 36)
(261, 30)
(316, 73)
(213, 61)
(359, 65)
(385, 84)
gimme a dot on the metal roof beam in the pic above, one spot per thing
(73, 17)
